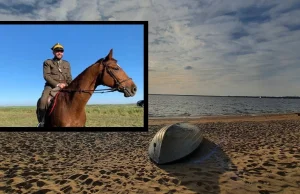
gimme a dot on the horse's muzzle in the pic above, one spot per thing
(130, 92)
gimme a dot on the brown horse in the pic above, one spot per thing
(68, 105)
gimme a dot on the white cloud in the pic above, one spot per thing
(233, 47)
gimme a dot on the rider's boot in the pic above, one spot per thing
(42, 113)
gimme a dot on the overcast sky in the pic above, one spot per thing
(210, 47)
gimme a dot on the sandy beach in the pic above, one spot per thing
(241, 154)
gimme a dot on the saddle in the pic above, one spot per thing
(53, 93)
(51, 98)
(50, 103)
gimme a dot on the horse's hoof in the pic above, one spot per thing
(40, 124)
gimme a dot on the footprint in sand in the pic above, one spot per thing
(118, 181)
(94, 191)
(143, 179)
(263, 182)
(26, 185)
(126, 175)
(260, 169)
(252, 165)
(75, 176)
(151, 176)
(105, 177)
(157, 189)
(267, 164)
(61, 182)
(10, 173)
(33, 180)
(10, 181)
(97, 183)
(281, 173)
(114, 171)
(163, 180)
(66, 189)
(88, 181)
(289, 165)
(45, 174)
(42, 191)
(83, 177)
(40, 183)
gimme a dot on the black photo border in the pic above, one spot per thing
(91, 129)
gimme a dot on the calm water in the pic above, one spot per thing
(167, 106)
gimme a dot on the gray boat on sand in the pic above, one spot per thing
(174, 142)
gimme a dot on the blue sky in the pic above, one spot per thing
(202, 47)
(25, 47)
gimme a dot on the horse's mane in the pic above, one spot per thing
(99, 61)
(76, 80)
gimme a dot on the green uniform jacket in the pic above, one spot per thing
(56, 72)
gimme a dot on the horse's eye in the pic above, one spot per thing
(116, 68)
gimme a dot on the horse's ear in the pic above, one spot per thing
(110, 54)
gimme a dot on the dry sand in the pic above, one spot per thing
(238, 155)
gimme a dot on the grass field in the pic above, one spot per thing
(97, 116)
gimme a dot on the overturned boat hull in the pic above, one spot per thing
(174, 142)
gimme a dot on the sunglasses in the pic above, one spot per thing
(61, 51)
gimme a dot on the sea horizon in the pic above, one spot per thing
(241, 96)
(168, 105)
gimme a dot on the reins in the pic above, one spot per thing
(87, 91)
(118, 83)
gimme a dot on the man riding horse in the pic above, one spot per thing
(57, 73)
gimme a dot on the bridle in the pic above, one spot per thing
(117, 86)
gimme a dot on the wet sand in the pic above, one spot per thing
(238, 155)
(206, 119)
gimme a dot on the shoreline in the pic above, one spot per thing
(223, 118)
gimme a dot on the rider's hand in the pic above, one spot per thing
(61, 85)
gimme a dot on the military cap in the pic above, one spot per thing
(57, 47)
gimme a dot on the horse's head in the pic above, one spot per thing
(114, 77)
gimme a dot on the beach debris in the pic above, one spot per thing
(174, 142)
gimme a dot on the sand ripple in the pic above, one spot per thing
(243, 157)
